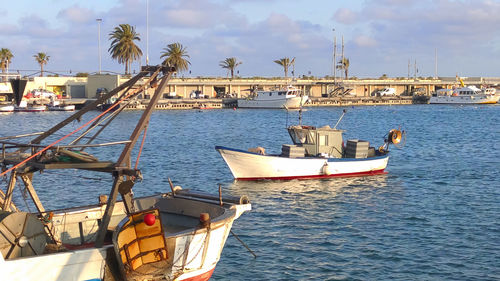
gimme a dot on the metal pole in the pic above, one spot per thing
(333, 55)
(334, 61)
(436, 61)
(147, 32)
(99, 42)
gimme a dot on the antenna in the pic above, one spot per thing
(342, 116)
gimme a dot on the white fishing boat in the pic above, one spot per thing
(315, 153)
(175, 235)
(465, 95)
(6, 108)
(288, 98)
(56, 105)
(23, 107)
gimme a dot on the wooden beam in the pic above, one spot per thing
(26, 178)
(10, 190)
(103, 227)
(143, 121)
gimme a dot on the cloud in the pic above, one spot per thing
(76, 14)
(345, 16)
(365, 41)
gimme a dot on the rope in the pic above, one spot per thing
(70, 134)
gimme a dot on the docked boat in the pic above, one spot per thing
(175, 235)
(289, 98)
(465, 95)
(56, 105)
(316, 152)
(23, 107)
(6, 108)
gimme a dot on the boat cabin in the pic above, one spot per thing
(278, 94)
(318, 141)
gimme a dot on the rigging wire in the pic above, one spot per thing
(133, 92)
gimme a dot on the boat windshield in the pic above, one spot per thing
(301, 136)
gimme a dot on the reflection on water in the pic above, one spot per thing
(326, 188)
(434, 216)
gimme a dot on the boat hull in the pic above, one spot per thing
(290, 103)
(62, 108)
(7, 108)
(193, 251)
(30, 109)
(478, 99)
(246, 165)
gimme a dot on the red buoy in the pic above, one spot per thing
(149, 219)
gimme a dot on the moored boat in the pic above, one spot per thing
(6, 108)
(176, 235)
(56, 105)
(464, 95)
(67, 107)
(316, 152)
(288, 98)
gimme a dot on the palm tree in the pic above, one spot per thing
(122, 48)
(230, 64)
(344, 65)
(286, 63)
(175, 55)
(41, 58)
(5, 58)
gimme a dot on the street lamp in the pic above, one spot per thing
(99, 42)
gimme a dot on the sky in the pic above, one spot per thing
(392, 37)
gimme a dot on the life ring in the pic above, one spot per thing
(395, 136)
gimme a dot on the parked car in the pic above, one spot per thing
(387, 92)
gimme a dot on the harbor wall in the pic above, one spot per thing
(322, 91)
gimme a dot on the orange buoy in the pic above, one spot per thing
(395, 136)
(204, 219)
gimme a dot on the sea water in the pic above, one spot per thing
(434, 216)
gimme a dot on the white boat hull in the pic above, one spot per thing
(246, 165)
(193, 252)
(290, 103)
(465, 99)
(40, 108)
(62, 108)
(7, 108)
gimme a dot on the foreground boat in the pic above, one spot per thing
(176, 235)
(315, 153)
(289, 98)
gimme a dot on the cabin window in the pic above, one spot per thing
(323, 140)
(271, 93)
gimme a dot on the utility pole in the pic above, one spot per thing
(408, 69)
(333, 54)
(342, 61)
(335, 61)
(99, 41)
(147, 32)
(416, 69)
(436, 61)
